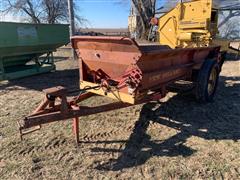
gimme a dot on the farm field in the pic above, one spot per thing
(176, 138)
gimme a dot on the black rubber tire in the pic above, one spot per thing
(202, 92)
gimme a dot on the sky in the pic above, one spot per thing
(105, 13)
(113, 13)
(101, 13)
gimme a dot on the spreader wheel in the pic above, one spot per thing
(207, 81)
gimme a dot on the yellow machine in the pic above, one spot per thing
(189, 24)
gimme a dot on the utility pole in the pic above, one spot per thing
(71, 22)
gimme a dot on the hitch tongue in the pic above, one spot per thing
(23, 131)
(33, 122)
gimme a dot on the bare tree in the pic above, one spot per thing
(41, 11)
(230, 30)
(228, 15)
(55, 10)
(24, 7)
(146, 10)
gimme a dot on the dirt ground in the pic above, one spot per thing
(177, 139)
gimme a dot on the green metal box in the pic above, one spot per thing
(21, 46)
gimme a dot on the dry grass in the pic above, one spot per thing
(176, 139)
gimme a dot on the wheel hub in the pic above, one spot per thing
(212, 81)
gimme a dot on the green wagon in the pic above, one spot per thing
(26, 49)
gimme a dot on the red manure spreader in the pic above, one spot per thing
(119, 68)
